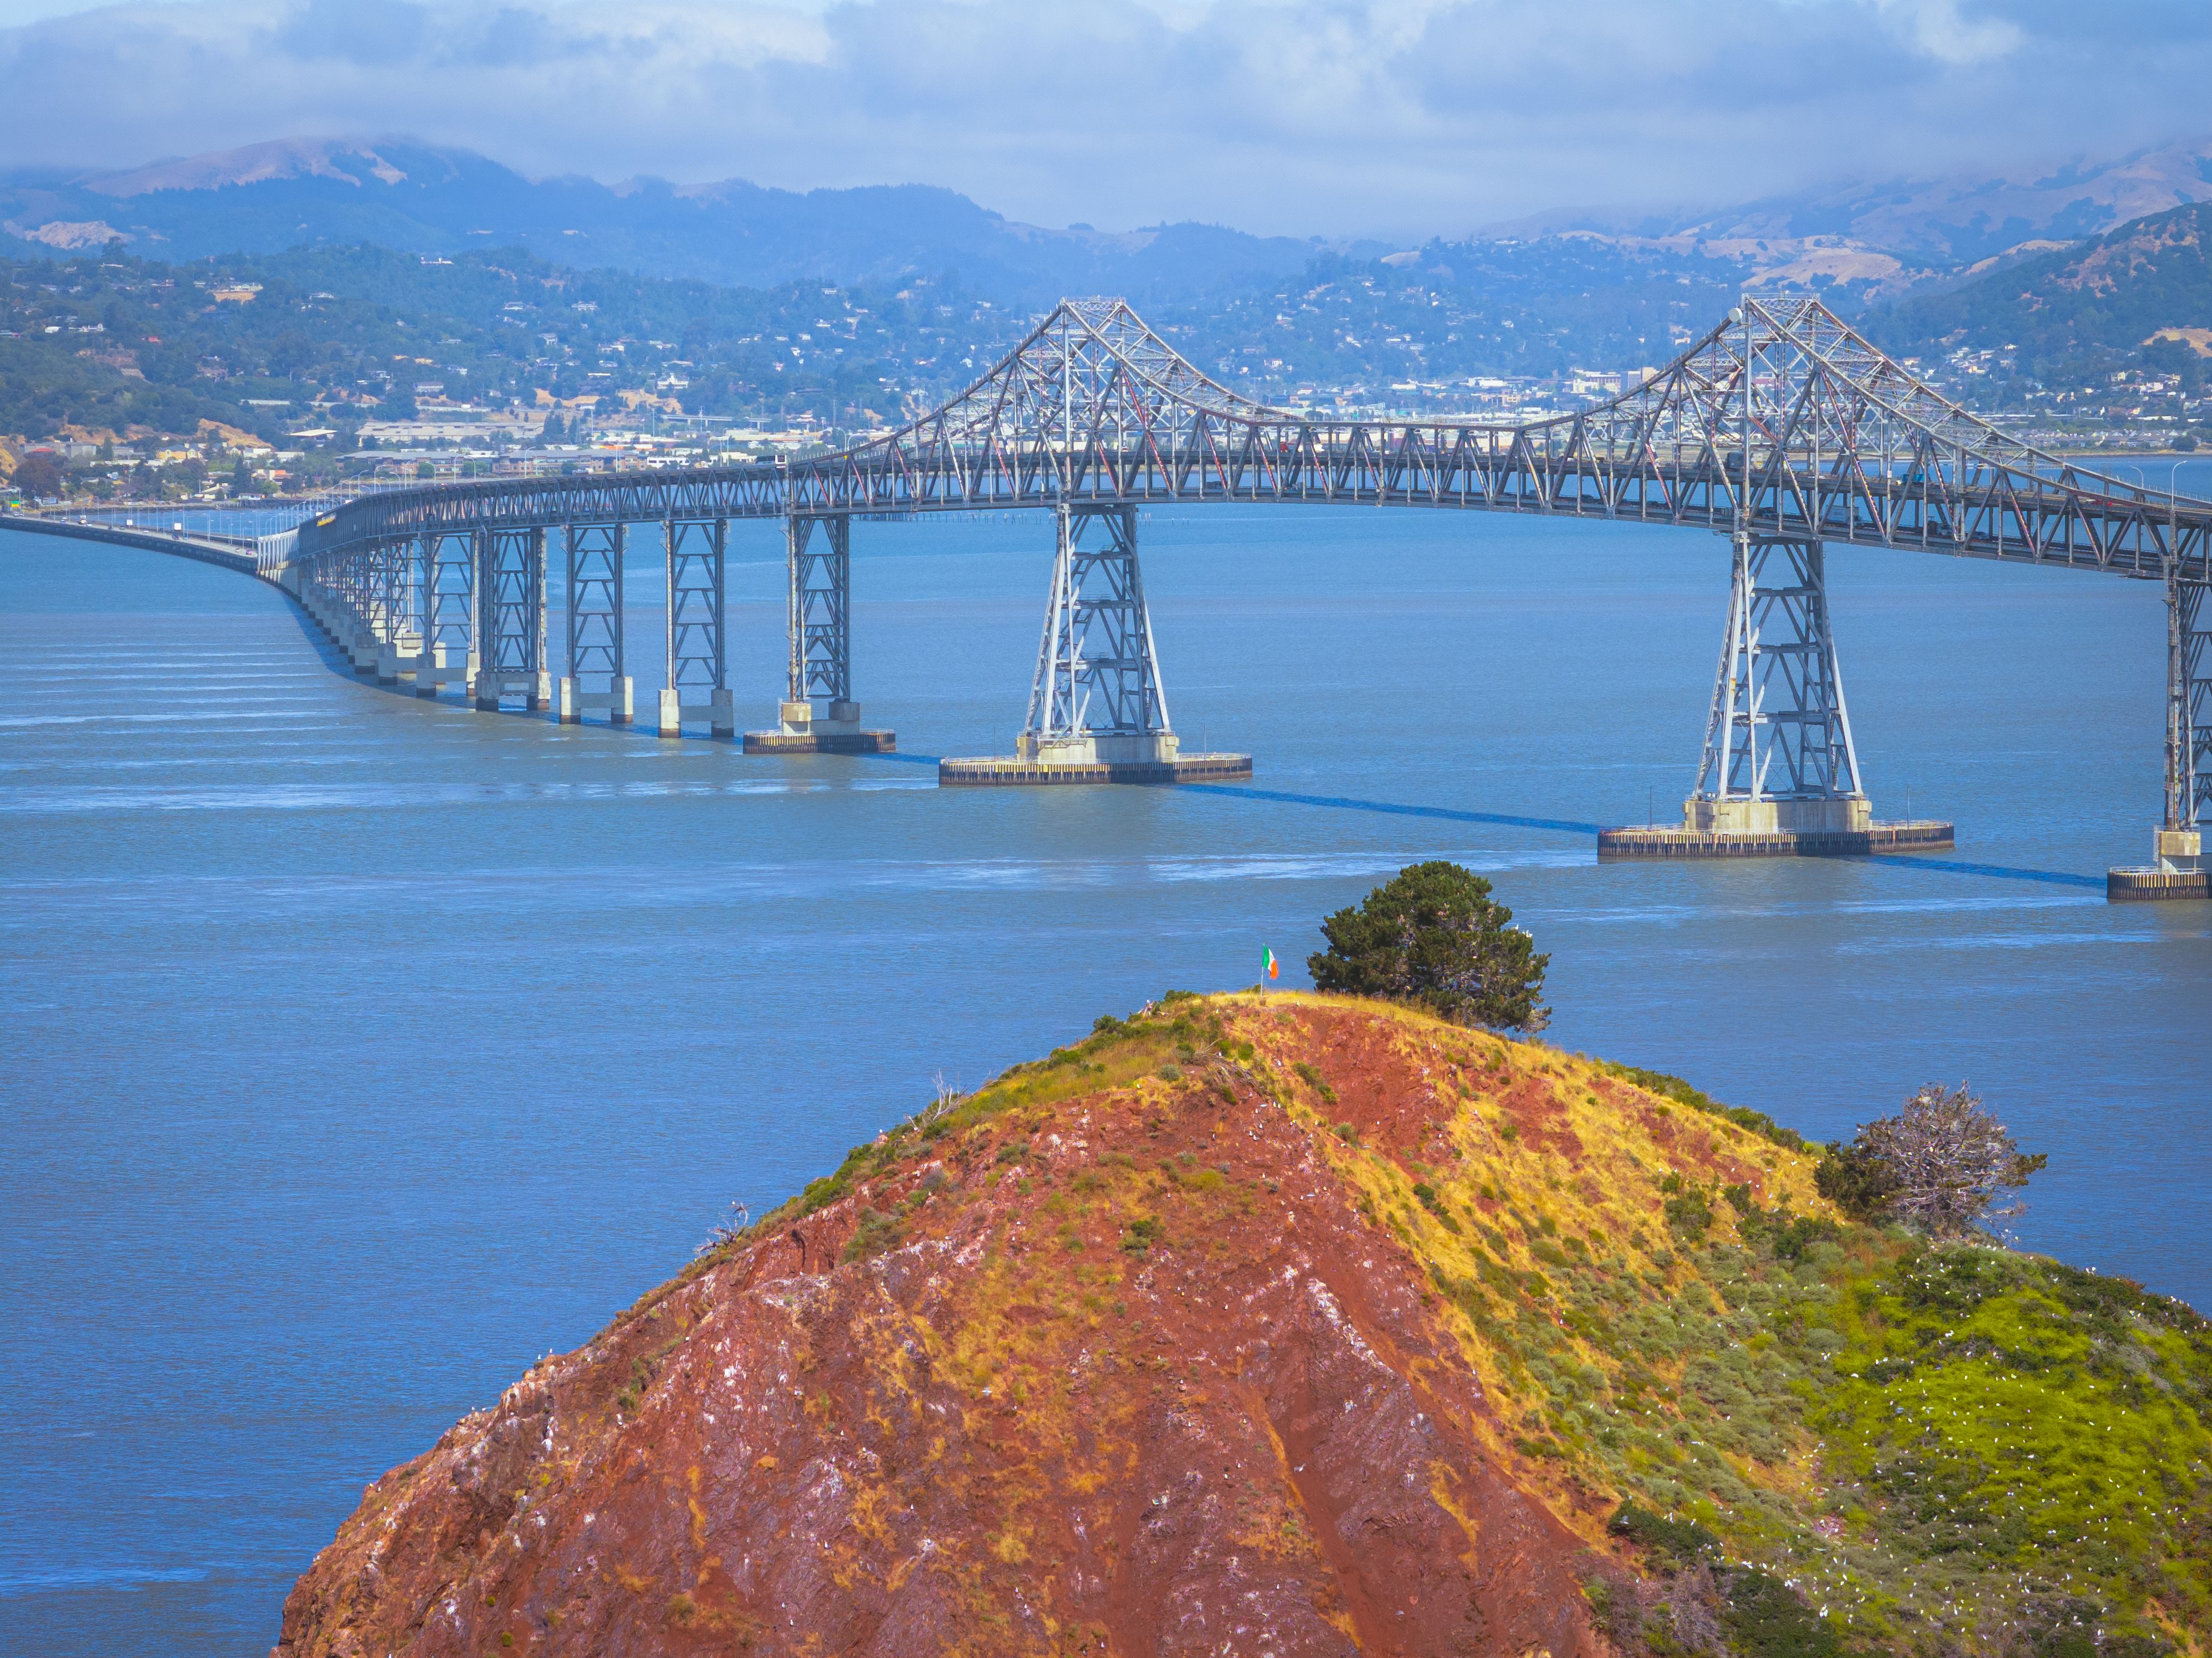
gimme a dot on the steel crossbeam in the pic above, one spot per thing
(1098, 674)
(391, 611)
(449, 585)
(696, 661)
(594, 591)
(821, 587)
(510, 614)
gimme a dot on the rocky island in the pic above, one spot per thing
(1302, 1324)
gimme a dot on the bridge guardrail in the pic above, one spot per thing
(202, 548)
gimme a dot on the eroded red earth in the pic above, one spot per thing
(1127, 1373)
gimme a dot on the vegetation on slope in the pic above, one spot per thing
(107, 341)
(2073, 314)
(1820, 1437)
(104, 341)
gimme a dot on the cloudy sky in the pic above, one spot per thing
(1400, 117)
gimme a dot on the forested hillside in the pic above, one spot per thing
(113, 343)
(104, 342)
(2086, 311)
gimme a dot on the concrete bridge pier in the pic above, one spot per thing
(399, 656)
(2178, 867)
(1779, 777)
(1097, 710)
(819, 715)
(440, 665)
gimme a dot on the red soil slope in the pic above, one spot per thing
(1105, 1362)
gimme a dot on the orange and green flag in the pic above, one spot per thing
(1275, 968)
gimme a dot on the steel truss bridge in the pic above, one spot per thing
(1782, 429)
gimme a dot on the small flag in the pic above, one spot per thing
(1275, 968)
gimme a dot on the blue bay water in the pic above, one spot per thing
(358, 1050)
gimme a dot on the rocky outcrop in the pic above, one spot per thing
(1142, 1350)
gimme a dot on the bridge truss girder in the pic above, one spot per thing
(1782, 421)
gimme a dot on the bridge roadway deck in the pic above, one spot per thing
(231, 553)
(2065, 525)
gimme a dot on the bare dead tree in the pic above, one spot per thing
(946, 1095)
(733, 1228)
(1952, 1162)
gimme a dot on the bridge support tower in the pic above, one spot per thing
(2179, 869)
(1779, 776)
(448, 589)
(697, 688)
(592, 554)
(819, 715)
(510, 595)
(1098, 712)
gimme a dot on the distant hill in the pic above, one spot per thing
(131, 347)
(1896, 234)
(268, 197)
(2072, 312)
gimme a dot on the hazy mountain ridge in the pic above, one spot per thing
(1852, 238)
(1896, 235)
(419, 198)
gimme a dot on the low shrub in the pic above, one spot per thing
(1682, 1542)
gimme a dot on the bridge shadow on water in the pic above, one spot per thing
(1569, 826)
(339, 663)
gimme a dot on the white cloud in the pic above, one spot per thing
(1397, 116)
(1936, 27)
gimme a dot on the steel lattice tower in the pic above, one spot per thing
(1098, 687)
(1778, 692)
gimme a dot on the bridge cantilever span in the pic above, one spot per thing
(1783, 429)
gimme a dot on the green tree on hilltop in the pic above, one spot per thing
(1434, 936)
